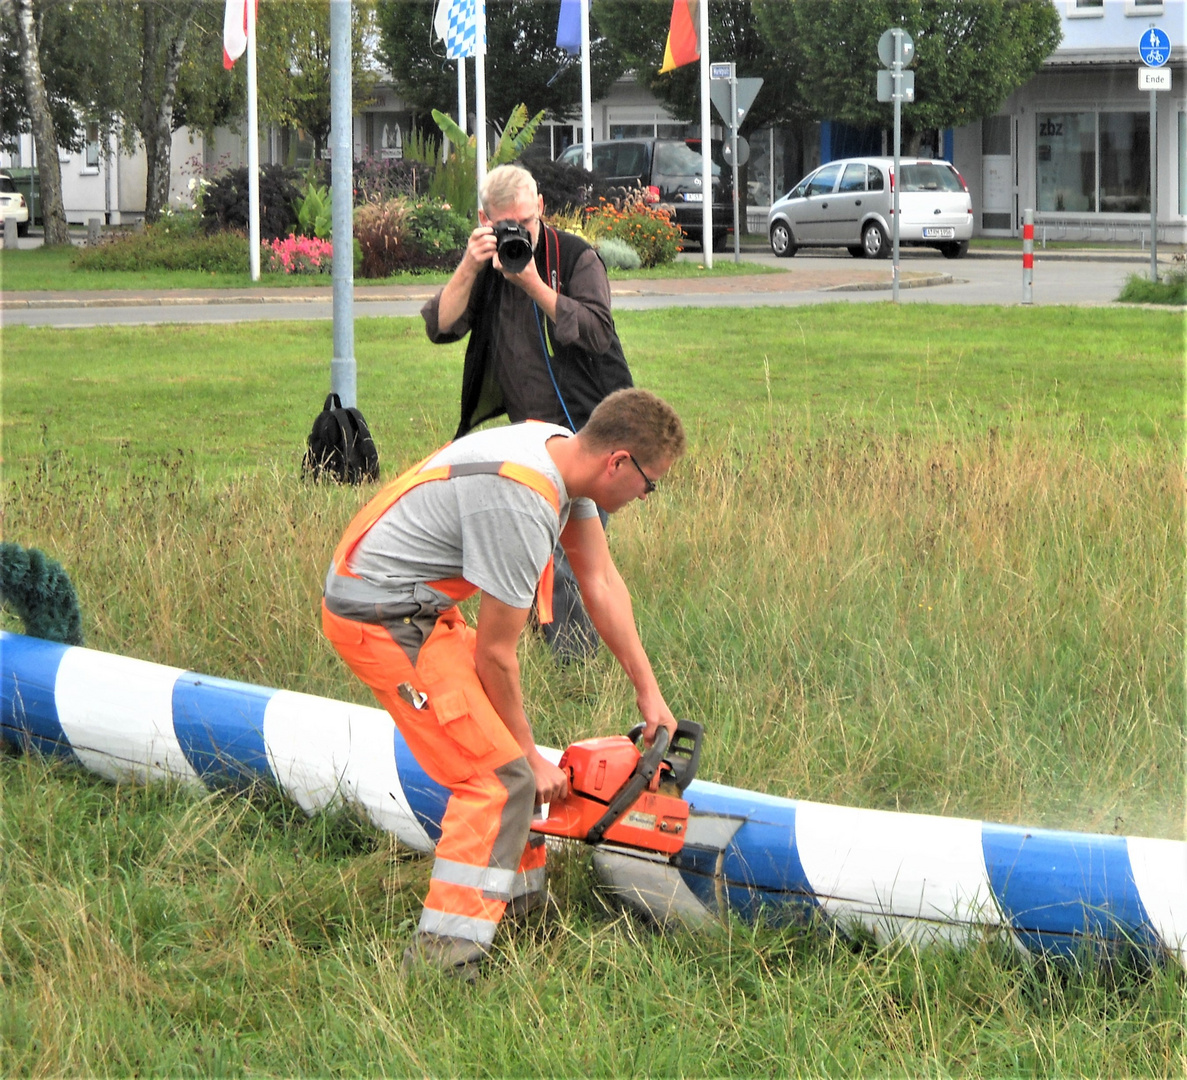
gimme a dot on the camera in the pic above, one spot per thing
(514, 245)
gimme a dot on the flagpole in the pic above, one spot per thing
(706, 142)
(586, 92)
(253, 149)
(462, 119)
(480, 90)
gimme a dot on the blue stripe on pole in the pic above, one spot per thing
(219, 725)
(28, 674)
(1057, 887)
(426, 798)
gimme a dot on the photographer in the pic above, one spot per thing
(536, 304)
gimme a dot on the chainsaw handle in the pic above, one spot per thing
(682, 753)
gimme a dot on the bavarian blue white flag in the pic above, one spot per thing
(456, 23)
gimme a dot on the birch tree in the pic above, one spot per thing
(20, 14)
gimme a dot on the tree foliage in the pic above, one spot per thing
(640, 30)
(294, 63)
(523, 63)
(970, 55)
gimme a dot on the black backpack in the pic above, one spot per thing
(340, 446)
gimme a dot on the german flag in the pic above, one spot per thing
(683, 45)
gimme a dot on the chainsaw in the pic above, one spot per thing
(620, 795)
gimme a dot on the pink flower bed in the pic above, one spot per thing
(300, 255)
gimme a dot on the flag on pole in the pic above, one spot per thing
(456, 23)
(568, 27)
(235, 31)
(683, 45)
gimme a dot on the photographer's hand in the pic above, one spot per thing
(529, 280)
(455, 297)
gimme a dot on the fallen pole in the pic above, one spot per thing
(924, 878)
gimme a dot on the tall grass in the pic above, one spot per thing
(966, 600)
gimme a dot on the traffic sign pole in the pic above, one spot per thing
(898, 138)
(734, 155)
(1154, 48)
(1153, 185)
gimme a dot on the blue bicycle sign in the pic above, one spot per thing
(1154, 47)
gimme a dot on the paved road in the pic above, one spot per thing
(1087, 279)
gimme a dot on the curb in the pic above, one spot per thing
(904, 283)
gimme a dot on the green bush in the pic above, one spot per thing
(409, 234)
(226, 203)
(618, 254)
(1172, 289)
(165, 247)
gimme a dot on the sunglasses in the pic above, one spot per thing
(650, 485)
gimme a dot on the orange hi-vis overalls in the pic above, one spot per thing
(418, 660)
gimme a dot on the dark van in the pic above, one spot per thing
(669, 170)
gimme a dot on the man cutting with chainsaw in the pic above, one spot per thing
(483, 515)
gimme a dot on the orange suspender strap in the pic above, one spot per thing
(457, 588)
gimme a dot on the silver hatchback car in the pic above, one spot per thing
(849, 203)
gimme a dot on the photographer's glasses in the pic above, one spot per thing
(649, 485)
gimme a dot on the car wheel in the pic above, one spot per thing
(958, 249)
(782, 242)
(22, 228)
(874, 242)
(857, 251)
(719, 243)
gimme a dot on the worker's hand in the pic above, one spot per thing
(656, 714)
(551, 783)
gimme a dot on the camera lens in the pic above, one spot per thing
(514, 245)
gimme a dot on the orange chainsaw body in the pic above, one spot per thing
(598, 769)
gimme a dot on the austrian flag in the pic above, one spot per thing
(235, 30)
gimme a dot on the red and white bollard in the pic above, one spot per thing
(1028, 256)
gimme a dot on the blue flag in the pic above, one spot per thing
(568, 27)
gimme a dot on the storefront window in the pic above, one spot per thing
(1125, 163)
(1094, 161)
(1183, 163)
(1067, 161)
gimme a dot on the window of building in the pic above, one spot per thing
(1143, 7)
(92, 145)
(1183, 163)
(1081, 9)
(1093, 162)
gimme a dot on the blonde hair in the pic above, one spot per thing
(638, 421)
(504, 185)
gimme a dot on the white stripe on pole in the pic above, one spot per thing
(706, 142)
(586, 91)
(253, 149)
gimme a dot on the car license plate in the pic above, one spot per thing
(938, 233)
(694, 196)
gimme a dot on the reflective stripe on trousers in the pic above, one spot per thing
(484, 855)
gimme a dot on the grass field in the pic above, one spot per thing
(932, 562)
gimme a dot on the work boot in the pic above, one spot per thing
(520, 907)
(456, 958)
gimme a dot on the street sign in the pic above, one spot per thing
(727, 151)
(721, 71)
(1154, 78)
(1154, 47)
(747, 91)
(886, 85)
(886, 47)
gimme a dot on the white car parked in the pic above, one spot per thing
(849, 203)
(13, 205)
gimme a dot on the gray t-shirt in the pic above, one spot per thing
(495, 532)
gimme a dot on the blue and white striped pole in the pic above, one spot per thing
(896, 875)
